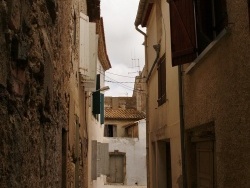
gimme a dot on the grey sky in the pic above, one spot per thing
(123, 44)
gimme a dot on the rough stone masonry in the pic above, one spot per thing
(34, 74)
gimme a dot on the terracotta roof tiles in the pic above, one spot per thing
(123, 114)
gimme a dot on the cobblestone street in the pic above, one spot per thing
(123, 186)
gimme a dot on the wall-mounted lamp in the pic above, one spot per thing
(105, 88)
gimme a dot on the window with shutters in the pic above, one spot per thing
(132, 131)
(88, 51)
(210, 20)
(97, 97)
(161, 80)
(248, 3)
(110, 130)
(194, 25)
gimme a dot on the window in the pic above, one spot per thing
(74, 31)
(161, 80)
(248, 3)
(210, 20)
(200, 156)
(132, 131)
(110, 131)
(194, 25)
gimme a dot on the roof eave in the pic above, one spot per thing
(143, 12)
(102, 52)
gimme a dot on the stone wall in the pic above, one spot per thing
(120, 102)
(35, 56)
(217, 90)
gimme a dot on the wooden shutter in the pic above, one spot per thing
(105, 158)
(221, 18)
(97, 97)
(182, 25)
(102, 108)
(90, 78)
(248, 3)
(84, 44)
(205, 164)
(99, 159)
(96, 102)
(98, 83)
(94, 160)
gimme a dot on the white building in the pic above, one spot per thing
(97, 150)
(125, 132)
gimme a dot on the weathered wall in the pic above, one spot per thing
(135, 149)
(36, 62)
(120, 102)
(218, 90)
(163, 121)
(77, 160)
(95, 132)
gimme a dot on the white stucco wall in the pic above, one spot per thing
(95, 132)
(135, 149)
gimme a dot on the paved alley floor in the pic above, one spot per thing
(124, 186)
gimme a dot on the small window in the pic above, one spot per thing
(74, 32)
(248, 3)
(161, 80)
(132, 131)
(194, 25)
(210, 20)
(110, 131)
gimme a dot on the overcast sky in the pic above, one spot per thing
(124, 45)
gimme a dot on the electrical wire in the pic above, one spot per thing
(117, 82)
(120, 83)
(120, 75)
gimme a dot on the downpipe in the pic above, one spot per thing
(182, 128)
(147, 107)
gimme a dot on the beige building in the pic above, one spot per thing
(163, 121)
(209, 42)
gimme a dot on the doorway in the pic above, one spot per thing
(117, 167)
(164, 169)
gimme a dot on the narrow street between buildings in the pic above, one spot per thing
(123, 186)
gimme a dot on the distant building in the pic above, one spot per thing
(125, 132)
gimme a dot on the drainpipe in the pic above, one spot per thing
(182, 128)
(157, 48)
(147, 107)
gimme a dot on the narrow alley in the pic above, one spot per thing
(124, 94)
(123, 186)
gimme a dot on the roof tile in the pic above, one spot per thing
(123, 114)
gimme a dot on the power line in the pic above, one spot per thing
(122, 85)
(121, 75)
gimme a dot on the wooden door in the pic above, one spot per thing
(117, 168)
(205, 164)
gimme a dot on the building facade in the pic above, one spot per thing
(162, 106)
(125, 133)
(216, 100)
(98, 149)
(43, 108)
(208, 41)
